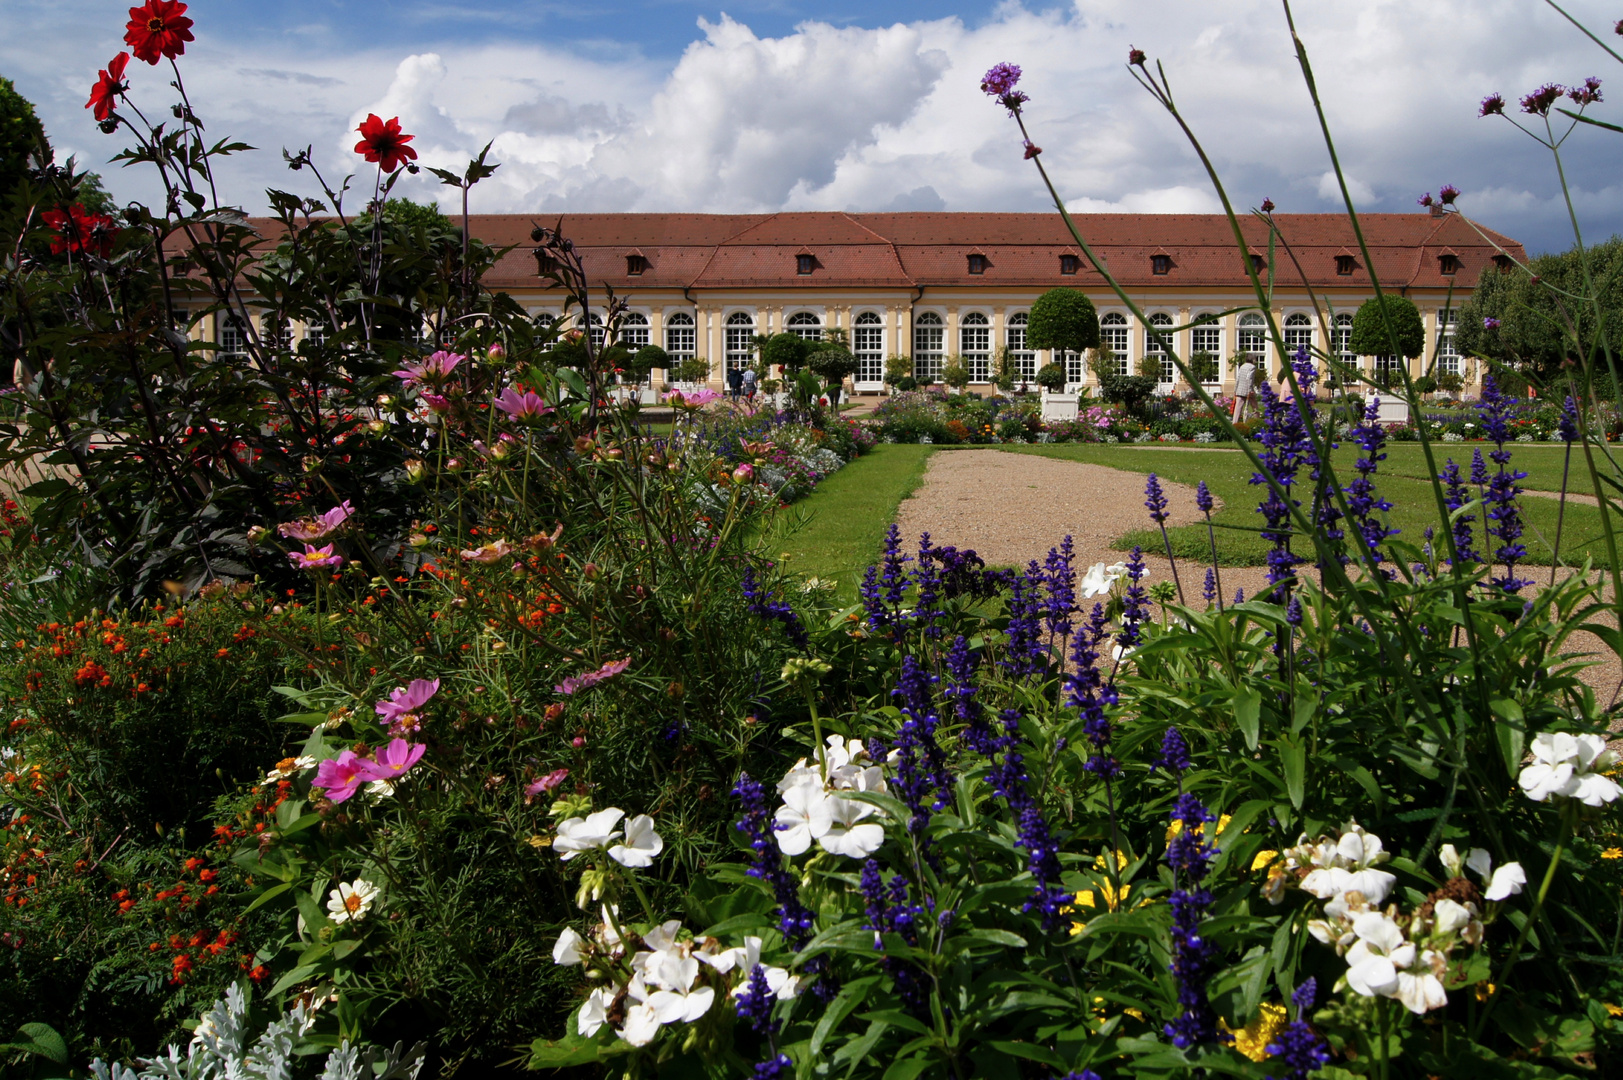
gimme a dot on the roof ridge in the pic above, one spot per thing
(895, 252)
(716, 248)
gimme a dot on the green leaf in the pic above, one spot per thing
(1029, 1051)
(293, 978)
(267, 896)
(1510, 732)
(1293, 761)
(1306, 706)
(43, 1041)
(907, 1069)
(851, 995)
(1248, 714)
(570, 1050)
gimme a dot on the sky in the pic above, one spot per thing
(767, 105)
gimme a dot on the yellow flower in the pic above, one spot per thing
(1484, 990)
(1177, 827)
(1614, 1010)
(1612, 853)
(1263, 859)
(1253, 1039)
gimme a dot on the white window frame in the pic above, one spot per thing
(1208, 338)
(804, 324)
(1448, 356)
(975, 345)
(868, 346)
(1116, 334)
(738, 340)
(1014, 338)
(1298, 332)
(231, 334)
(1341, 339)
(681, 335)
(634, 330)
(929, 346)
(1252, 338)
(1166, 370)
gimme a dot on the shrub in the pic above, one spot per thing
(1063, 319)
(1371, 335)
(955, 373)
(1129, 390)
(695, 369)
(1051, 377)
(906, 383)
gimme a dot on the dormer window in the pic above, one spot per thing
(1448, 264)
(1160, 264)
(1345, 265)
(1069, 264)
(803, 264)
(1504, 263)
(1258, 263)
(635, 265)
(977, 264)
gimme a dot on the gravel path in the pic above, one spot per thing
(1011, 508)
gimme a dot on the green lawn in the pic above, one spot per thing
(837, 530)
(1401, 480)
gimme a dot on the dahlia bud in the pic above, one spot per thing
(1267, 206)
(385, 401)
(1135, 57)
(415, 470)
(743, 474)
(501, 451)
(590, 571)
(454, 465)
(496, 353)
(257, 533)
(1032, 149)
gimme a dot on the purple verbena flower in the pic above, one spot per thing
(1193, 954)
(1174, 755)
(1503, 512)
(760, 603)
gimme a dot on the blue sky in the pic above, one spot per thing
(762, 105)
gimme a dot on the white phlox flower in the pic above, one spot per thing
(1380, 952)
(813, 809)
(595, 1012)
(642, 1022)
(1099, 578)
(847, 833)
(566, 951)
(641, 844)
(742, 957)
(1500, 884)
(1421, 990)
(1344, 867)
(1570, 767)
(675, 997)
(807, 814)
(576, 835)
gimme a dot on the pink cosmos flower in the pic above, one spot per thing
(574, 684)
(489, 553)
(314, 558)
(433, 371)
(341, 777)
(692, 399)
(526, 408)
(319, 527)
(435, 402)
(547, 782)
(405, 702)
(393, 761)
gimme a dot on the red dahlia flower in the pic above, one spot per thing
(158, 28)
(108, 86)
(382, 142)
(80, 230)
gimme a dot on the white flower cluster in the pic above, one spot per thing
(1390, 954)
(641, 843)
(1099, 579)
(1453, 436)
(1205, 437)
(815, 807)
(1169, 436)
(1570, 767)
(671, 979)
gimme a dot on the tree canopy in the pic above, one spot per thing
(784, 349)
(1063, 319)
(1533, 336)
(20, 135)
(1370, 333)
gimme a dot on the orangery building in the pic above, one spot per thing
(929, 285)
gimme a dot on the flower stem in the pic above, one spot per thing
(1527, 927)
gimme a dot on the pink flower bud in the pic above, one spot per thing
(578, 741)
(743, 474)
(496, 352)
(454, 465)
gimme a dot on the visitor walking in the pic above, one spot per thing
(1245, 387)
(735, 382)
(749, 383)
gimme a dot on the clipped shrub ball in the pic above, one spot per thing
(1051, 377)
(1063, 319)
(1371, 337)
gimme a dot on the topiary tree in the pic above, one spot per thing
(1370, 334)
(695, 369)
(833, 363)
(1051, 377)
(1203, 365)
(955, 373)
(648, 358)
(1063, 319)
(898, 368)
(785, 350)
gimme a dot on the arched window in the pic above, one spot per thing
(868, 346)
(805, 324)
(595, 324)
(739, 343)
(233, 335)
(1341, 340)
(681, 339)
(1112, 336)
(315, 334)
(929, 343)
(1014, 336)
(1156, 346)
(1254, 337)
(975, 345)
(633, 330)
(276, 334)
(1298, 334)
(1448, 355)
(1208, 339)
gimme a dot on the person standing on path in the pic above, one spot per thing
(735, 382)
(749, 383)
(1245, 387)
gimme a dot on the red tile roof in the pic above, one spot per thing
(909, 250)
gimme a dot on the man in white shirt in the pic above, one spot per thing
(1245, 387)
